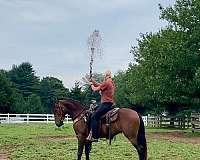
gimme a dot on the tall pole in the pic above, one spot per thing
(94, 45)
(91, 61)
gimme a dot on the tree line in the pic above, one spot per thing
(163, 77)
(21, 91)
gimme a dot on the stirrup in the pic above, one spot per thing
(90, 138)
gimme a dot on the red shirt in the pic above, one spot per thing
(107, 89)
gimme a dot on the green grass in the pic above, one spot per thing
(33, 142)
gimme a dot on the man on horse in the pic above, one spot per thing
(106, 89)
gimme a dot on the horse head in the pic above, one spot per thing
(59, 113)
(63, 107)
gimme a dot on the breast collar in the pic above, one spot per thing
(80, 116)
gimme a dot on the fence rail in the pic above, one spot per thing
(150, 121)
(38, 118)
(30, 118)
(170, 121)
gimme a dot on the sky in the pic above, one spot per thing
(52, 34)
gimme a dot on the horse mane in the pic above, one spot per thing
(75, 102)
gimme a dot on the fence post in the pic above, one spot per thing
(160, 121)
(8, 119)
(27, 118)
(67, 119)
(47, 118)
(148, 121)
(145, 120)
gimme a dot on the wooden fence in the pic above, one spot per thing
(195, 121)
(169, 121)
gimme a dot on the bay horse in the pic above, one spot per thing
(129, 123)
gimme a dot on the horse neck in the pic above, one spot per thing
(74, 109)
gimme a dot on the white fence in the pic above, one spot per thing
(30, 118)
(39, 118)
(145, 119)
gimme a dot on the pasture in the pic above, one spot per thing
(42, 141)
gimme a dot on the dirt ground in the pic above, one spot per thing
(173, 137)
(56, 138)
(5, 153)
(4, 156)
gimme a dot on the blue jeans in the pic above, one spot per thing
(101, 110)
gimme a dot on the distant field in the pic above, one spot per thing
(42, 142)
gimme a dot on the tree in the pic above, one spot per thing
(34, 104)
(164, 76)
(52, 89)
(184, 17)
(162, 70)
(6, 92)
(121, 94)
(23, 77)
(129, 90)
(21, 91)
(10, 100)
(19, 104)
(76, 92)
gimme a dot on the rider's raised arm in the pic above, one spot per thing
(95, 88)
(101, 87)
(96, 84)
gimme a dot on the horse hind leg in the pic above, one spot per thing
(141, 152)
(138, 140)
(140, 148)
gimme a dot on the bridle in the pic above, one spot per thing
(60, 112)
(61, 115)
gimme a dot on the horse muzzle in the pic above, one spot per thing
(59, 124)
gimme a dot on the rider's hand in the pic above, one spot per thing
(92, 79)
(88, 77)
(86, 80)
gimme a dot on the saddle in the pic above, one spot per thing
(110, 116)
(107, 119)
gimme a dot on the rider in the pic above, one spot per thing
(106, 89)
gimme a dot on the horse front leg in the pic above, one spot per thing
(80, 150)
(87, 150)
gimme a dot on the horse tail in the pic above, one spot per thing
(141, 139)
